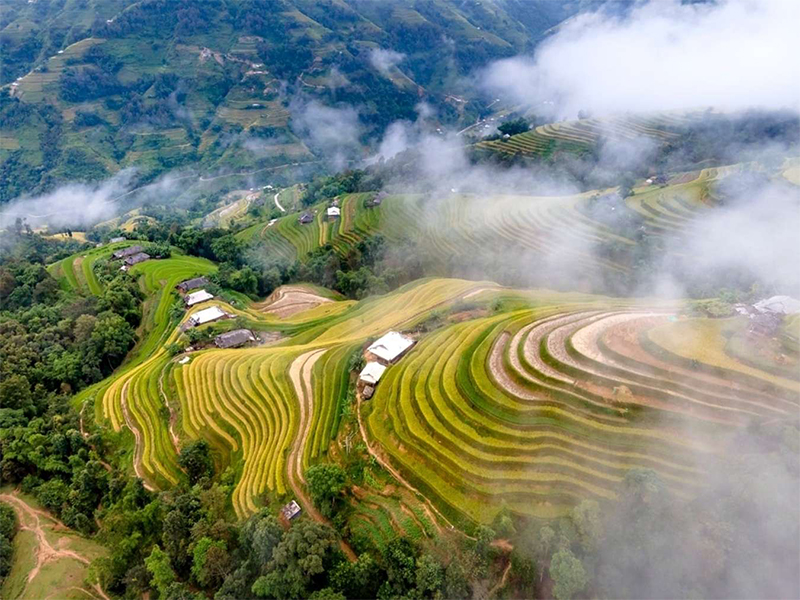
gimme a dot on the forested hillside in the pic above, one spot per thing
(95, 87)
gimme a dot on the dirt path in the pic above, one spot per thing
(137, 438)
(278, 204)
(29, 520)
(503, 580)
(300, 374)
(173, 417)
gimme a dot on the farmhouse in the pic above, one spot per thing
(371, 374)
(114, 240)
(190, 284)
(129, 251)
(784, 305)
(197, 297)
(137, 258)
(235, 338)
(291, 510)
(207, 315)
(306, 218)
(390, 347)
(333, 212)
(376, 201)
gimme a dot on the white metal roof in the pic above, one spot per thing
(390, 346)
(778, 304)
(333, 211)
(372, 373)
(197, 297)
(212, 313)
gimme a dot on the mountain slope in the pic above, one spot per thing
(235, 85)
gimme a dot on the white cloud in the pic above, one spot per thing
(384, 60)
(733, 54)
(333, 131)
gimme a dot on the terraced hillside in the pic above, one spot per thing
(583, 134)
(290, 239)
(242, 401)
(541, 408)
(584, 231)
(540, 399)
(98, 80)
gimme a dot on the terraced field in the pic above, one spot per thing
(575, 232)
(542, 408)
(243, 401)
(76, 272)
(549, 401)
(290, 239)
(583, 134)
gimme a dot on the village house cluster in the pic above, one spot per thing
(385, 351)
(229, 339)
(132, 255)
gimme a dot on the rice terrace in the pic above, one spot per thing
(336, 300)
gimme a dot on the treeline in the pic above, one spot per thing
(52, 342)
(8, 529)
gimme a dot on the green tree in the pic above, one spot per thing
(360, 579)
(400, 562)
(587, 519)
(327, 594)
(227, 249)
(111, 339)
(8, 521)
(514, 126)
(456, 583)
(195, 459)
(326, 482)
(568, 574)
(210, 562)
(430, 577)
(306, 551)
(159, 566)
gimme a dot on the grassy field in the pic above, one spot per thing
(50, 560)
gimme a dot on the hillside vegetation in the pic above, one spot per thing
(157, 85)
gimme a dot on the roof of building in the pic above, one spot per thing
(371, 373)
(391, 346)
(785, 305)
(197, 297)
(306, 217)
(212, 313)
(135, 259)
(114, 240)
(127, 251)
(234, 338)
(333, 211)
(291, 510)
(191, 284)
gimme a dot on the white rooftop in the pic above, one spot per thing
(197, 297)
(390, 346)
(372, 373)
(785, 305)
(333, 211)
(212, 313)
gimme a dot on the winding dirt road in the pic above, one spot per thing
(278, 204)
(29, 520)
(300, 374)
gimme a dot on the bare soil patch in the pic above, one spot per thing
(289, 300)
